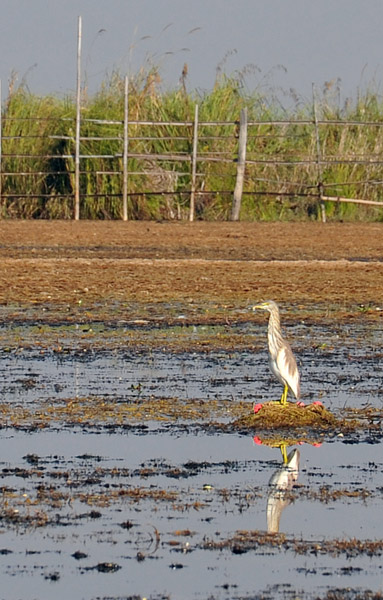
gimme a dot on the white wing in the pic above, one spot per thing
(288, 369)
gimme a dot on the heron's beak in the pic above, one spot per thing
(256, 306)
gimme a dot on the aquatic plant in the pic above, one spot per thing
(282, 175)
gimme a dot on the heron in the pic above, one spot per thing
(281, 358)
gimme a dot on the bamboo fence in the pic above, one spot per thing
(197, 159)
(191, 163)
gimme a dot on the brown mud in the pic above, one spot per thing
(111, 270)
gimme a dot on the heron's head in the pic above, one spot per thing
(269, 305)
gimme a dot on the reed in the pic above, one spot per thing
(281, 173)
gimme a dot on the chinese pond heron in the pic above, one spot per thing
(281, 358)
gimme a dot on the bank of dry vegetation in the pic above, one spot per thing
(281, 177)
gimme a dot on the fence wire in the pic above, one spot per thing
(179, 162)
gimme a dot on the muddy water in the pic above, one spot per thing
(172, 508)
(340, 364)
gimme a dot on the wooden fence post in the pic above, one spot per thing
(78, 116)
(125, 153)
(194, 165)
(1, 151)
(319, 167)
(237, 198)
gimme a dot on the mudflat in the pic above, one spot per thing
(336, 266)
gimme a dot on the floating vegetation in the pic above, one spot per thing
(212, 414)
(245, 541)
(273, 415)
(109, 413)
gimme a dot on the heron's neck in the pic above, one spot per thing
(274, 333)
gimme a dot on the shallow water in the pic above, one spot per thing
(226, 490)
(142, 505)
(340, 376)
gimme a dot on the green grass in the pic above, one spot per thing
(38, 140)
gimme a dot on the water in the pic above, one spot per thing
(338, 378)
(226, 492)
(148, 508)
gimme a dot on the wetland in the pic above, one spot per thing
(132, 464)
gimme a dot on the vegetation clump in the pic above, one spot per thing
(273, 416)
(281, 182)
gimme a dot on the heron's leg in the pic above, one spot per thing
(284, 395)
(284, 453)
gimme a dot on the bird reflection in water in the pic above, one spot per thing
(280, 485)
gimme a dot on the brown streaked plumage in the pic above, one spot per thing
(281, 358)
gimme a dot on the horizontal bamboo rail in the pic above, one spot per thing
(352, 200)
(194, 153)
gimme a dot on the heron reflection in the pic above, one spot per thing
(280, 485)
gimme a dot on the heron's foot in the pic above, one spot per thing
(257, 407)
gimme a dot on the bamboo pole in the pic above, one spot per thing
(1, 148)
(194, 165)
(125, 155)
(319, 166)
(78, 117)
(352, 200)
(237, 197)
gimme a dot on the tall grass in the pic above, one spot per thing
(281, 176)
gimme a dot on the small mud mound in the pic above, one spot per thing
(273, 415)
